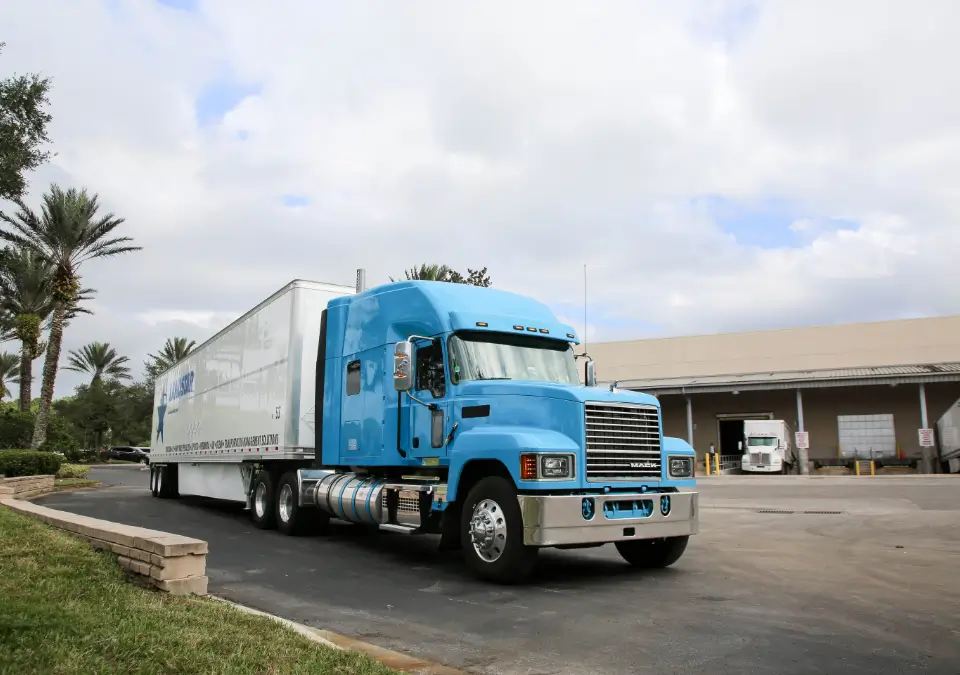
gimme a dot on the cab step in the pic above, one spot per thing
(401, 529)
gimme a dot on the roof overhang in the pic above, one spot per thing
(810, 379)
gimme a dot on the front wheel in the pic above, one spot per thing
(491, 532)
(653, 553)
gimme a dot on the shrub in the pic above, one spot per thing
(73, 471)
(29, 463)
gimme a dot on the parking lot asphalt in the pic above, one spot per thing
(764, 588)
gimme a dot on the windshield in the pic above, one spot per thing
(492, 356)
(753, 440)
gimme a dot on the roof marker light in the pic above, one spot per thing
(531, 329)
(482, 324)
(571, 336)
(544, 330)
(518, 328)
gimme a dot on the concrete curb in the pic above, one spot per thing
(391, 659)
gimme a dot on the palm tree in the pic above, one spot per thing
(68, 232)
(174, 350)
(24, 298)
(8, 329)
(100, 360)
(9, 365)
(427, 273)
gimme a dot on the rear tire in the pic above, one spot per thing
(653, 553)
(153, 480)
(491, 533)
(264, 504)
(166, 484)
(292, 519)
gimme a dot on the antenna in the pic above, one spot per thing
(584, 308)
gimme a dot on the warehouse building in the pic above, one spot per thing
(860, 390)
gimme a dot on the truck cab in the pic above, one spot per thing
(456, 410)
(768, 447)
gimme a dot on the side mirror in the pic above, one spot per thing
(403, 366)
(590, 376)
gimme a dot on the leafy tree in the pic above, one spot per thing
(9, 367)
(174, 350)
(444, 273)
(108, 412)
(68, 232)
(23, 130)
(100, 360)
(473, 278)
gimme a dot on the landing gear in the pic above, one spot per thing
(491, 531)
(652, 553)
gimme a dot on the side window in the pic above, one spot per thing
(430, 370)
(353, 378)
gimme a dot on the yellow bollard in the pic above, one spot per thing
(856, 467)
(718, 463)
(706, 463)
(873, 468)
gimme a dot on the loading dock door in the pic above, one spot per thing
(730, 430)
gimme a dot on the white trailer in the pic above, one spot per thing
(948, 438)
(768, 447)
(248, 392)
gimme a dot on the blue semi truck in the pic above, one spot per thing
(423, 408)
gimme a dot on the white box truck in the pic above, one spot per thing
(768, 447)
(948, 438)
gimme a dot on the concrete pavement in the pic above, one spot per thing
(755, 592)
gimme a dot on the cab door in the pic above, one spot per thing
(429, 428)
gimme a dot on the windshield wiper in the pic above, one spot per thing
(494, 378)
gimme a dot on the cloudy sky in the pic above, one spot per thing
(718, 165)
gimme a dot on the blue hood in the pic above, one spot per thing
(563, 392)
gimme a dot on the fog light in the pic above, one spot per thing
(681, 467)
(555, 466)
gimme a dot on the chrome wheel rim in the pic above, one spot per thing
(159, 481)
(488, 530)
(260, 500)
(286, 503)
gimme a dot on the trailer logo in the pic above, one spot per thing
(161, 411)
(180, 387)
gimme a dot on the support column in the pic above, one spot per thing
(802, 453)
(923, 407)
(689, 421)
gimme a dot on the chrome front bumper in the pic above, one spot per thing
(559, 520)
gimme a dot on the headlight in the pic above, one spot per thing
(542, 466)
(681, 467)
(555, 466)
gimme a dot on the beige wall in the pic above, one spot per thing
(885, 343)
(820, 410)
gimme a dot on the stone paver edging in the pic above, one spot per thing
(25, 487)
(168, 562)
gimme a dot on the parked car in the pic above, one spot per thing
(129, 453)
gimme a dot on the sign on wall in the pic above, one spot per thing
(803, 440)
(926, 438)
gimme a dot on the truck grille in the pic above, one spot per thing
(623, 442)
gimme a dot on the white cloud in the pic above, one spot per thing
(528, 137)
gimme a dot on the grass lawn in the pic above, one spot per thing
(66, 608)
(74, 482)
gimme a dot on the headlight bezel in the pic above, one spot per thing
(684, 460)
(542, 458)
